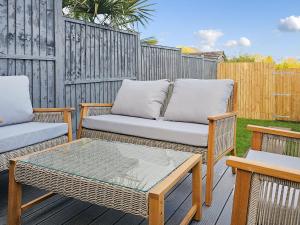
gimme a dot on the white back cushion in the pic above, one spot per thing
(15, 103)
(194, 100)
(140, 98)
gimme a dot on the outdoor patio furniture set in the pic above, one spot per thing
(129, 154)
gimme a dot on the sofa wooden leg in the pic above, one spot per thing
(209, 184)
(233, 153)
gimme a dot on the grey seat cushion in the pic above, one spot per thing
(24, 134)
(274, 159)
(178, 132)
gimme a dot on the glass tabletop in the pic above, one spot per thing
(127, 165)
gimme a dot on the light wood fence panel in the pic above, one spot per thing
(255, 84)
(263, 91)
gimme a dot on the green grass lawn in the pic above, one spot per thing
(244, 136)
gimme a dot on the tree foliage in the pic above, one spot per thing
(188, 50)
(149, 41)
(289, 63)
(126, 14)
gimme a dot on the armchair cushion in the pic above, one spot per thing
(15, 100)
(141, 98)
(178, 132)
(21, 135)
(193, 100)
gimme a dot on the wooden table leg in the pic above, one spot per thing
(197, 190)
(156, 209)
(14, 197)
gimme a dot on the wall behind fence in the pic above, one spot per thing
(263, 92)
(70, 61)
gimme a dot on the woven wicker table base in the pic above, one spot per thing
(82, 178)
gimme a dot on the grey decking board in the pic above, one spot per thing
(221, 194)
(225, 216)
(181, 210)
(87, 216)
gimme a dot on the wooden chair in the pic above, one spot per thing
(267, 189)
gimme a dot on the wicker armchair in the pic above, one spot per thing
(221, 137)
(268, 192)
(50, 115)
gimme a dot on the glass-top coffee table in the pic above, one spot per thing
(127, 177)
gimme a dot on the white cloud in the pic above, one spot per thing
(208, 38)
(231, 43)
(243, 42)
(289, 24)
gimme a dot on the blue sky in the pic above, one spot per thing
(265, 27)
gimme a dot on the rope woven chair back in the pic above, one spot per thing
(273, 201)
(281, 145)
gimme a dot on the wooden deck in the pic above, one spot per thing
(62, 210)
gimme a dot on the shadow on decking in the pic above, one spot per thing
(61, 210)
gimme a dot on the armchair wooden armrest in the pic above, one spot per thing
(264, 169)
(53, 110)
(258, 132)
(67, 116)
(243, 193)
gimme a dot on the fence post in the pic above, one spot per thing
(59, 54)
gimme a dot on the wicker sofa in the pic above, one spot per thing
(220, 141)
(267, 189)
(44, 128)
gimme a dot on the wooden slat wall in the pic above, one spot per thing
(27, 45)
(161, 62)
(263, 91)
(97, 59)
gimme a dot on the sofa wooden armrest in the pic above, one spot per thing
(221, 141)
(222, 116)
(55, 115)
(96, 104)
(84, 111)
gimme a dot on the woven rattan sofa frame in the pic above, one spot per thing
(263, 139)
(50, 115)
(216, 149)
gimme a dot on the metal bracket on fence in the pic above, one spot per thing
(280, 116)
(278, 94)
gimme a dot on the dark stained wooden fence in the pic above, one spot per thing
(70, 61)
(97, 59)
(161, 62)
(27, 45)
